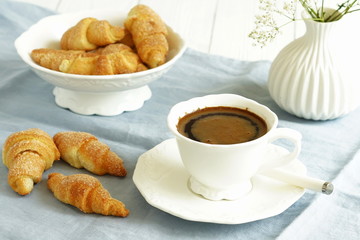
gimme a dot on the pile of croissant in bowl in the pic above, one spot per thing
(95, 47)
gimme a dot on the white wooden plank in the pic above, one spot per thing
(193, 20)
(80, 5)
(212, 26)
(50, 4)
(234, 22)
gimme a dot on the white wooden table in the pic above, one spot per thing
(218, 27)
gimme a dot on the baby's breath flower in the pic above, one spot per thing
(289, 8)
(266, 27)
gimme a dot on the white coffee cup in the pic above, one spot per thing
(224, 171)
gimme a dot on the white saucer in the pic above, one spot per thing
(163, 181)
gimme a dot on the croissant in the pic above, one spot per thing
(90, 33)
(52, 58)
(128, 40)
(112, 59)
(83, 150)
(28, 154)
(149, 35)
(86, 193)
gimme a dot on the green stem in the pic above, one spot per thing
(354, 10)
(339, 13)
(308, 9)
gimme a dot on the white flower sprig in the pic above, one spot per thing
(267, 28)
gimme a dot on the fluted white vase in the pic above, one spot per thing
(317, 75)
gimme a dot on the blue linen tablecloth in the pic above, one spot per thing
(330, 151)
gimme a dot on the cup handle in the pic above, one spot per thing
(291, 135)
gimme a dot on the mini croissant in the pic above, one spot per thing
(28, 154)
(83, 150)
(149, 35)
(90, 33)
(112, 59)
(86, 193)
(52, 58)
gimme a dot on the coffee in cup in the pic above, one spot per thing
(222, 125)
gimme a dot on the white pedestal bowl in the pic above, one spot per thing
(105, 95)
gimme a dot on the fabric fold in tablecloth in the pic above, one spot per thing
(330, 151)
(332, 216)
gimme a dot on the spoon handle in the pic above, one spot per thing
(300, 180)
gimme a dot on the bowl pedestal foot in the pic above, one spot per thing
(104, 104)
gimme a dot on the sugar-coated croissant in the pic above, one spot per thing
(90, 33)
(86, 193)
(112, 59)
(28, 154)
(128, 40)
(149, 35)
(83, 150)
(52, 58)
